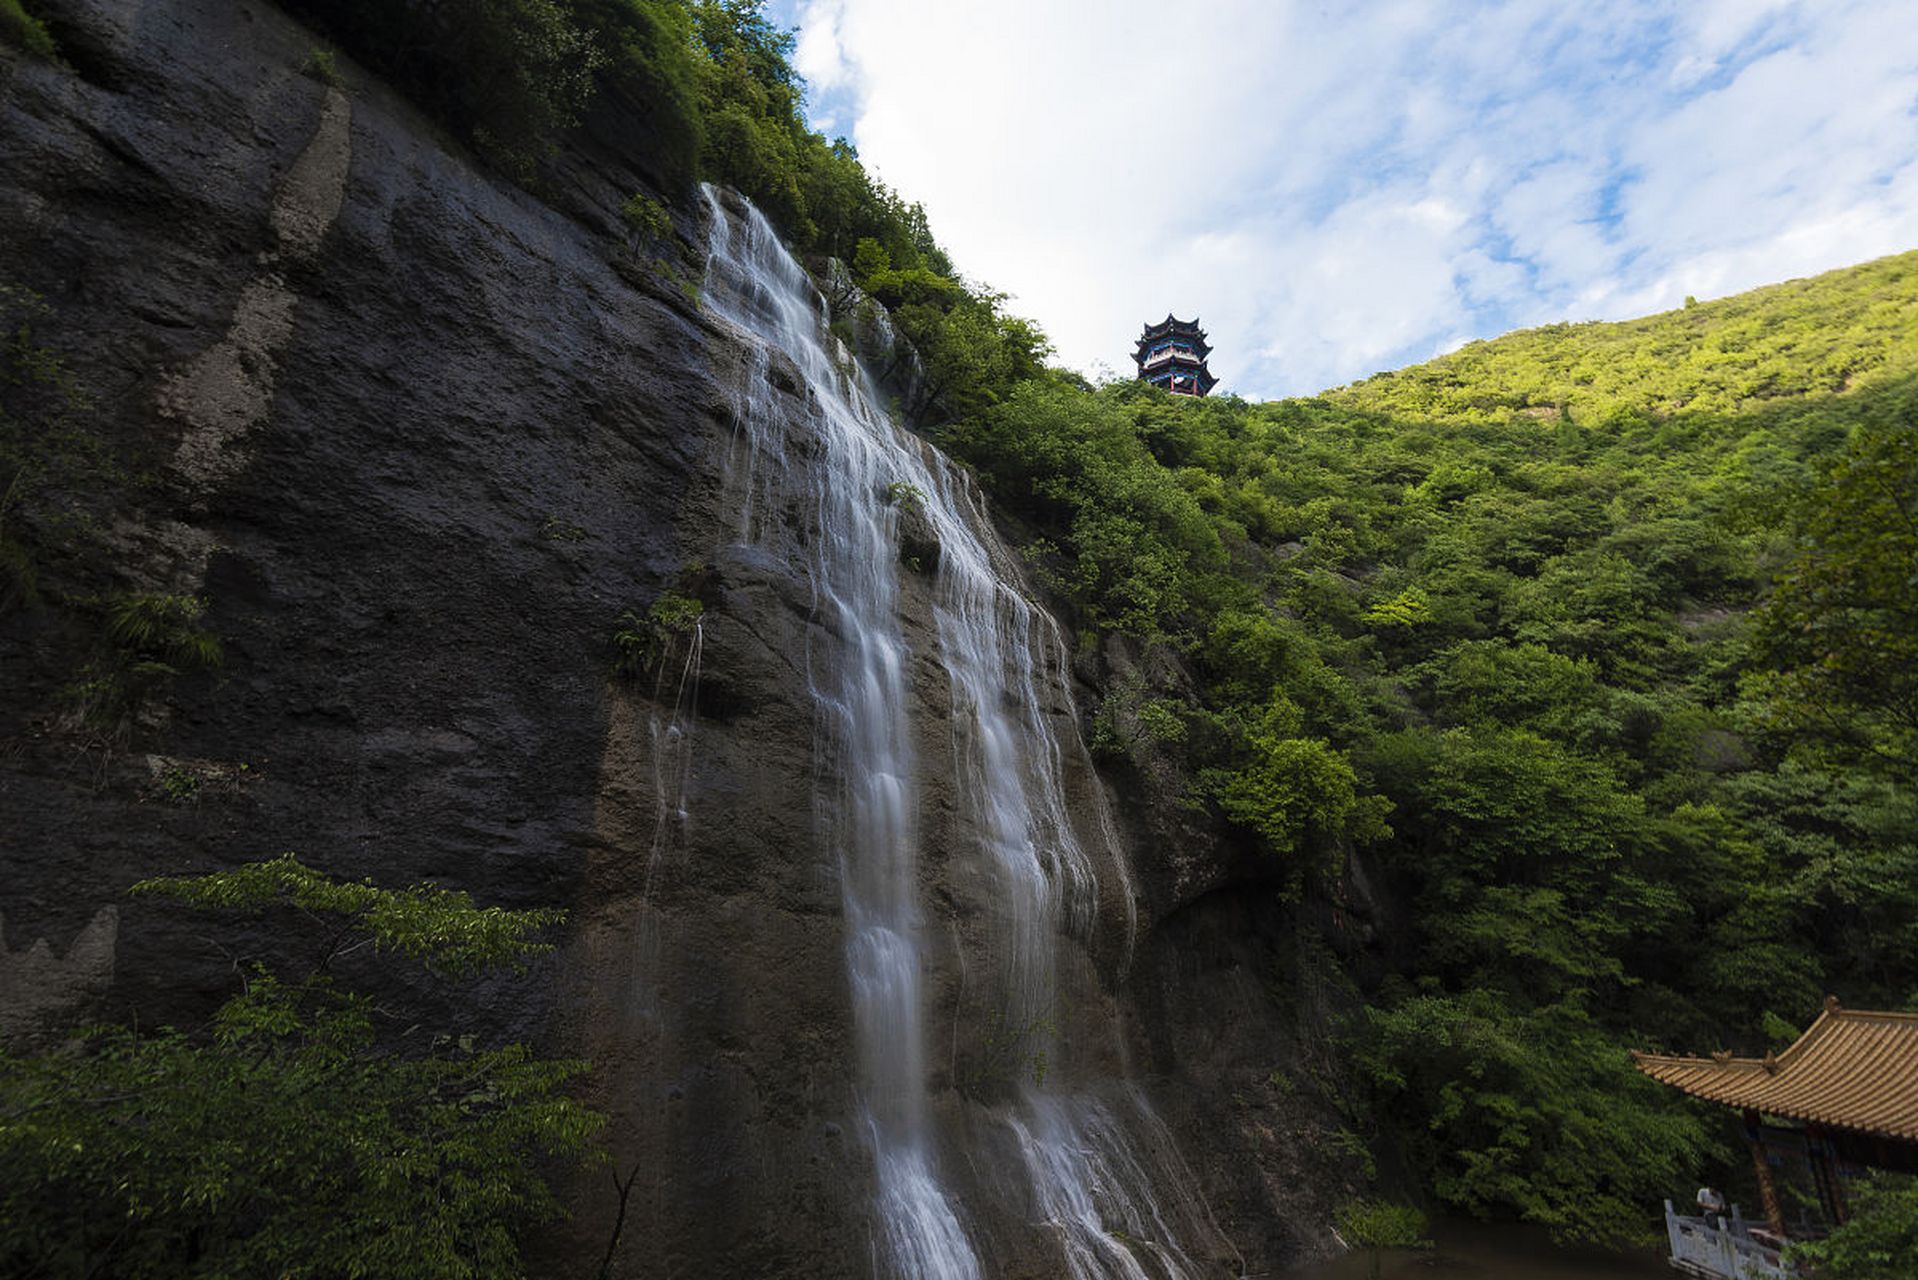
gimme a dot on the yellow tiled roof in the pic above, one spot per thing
(1852, 1069)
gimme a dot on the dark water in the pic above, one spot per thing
(1476, 1251)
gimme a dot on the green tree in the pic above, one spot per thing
(1535, 1114)
(1880, 1240)
(1299, 794)
(291, 1138)
(1841, 629)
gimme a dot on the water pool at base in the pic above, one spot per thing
(1483, 1251)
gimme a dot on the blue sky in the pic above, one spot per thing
(1341, 186)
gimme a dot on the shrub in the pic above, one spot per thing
(642, 641)
(647, 217)
(1880, 1239)
(289, 1138)
(1374, 1224)
(322, 65)
(149, 639)
(18, 27)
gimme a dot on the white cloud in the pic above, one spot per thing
(1338, 188)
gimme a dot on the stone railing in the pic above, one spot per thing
(1722, 1251)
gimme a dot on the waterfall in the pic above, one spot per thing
(827, 480)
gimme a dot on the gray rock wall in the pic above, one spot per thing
(419, 438)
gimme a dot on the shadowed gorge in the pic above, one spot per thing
(785, 783)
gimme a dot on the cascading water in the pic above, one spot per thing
(850, 548)
(827, 479)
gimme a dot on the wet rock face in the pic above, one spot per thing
(420, 440)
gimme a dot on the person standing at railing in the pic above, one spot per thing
(1711, 1206)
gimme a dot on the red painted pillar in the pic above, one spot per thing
(1767, 1190)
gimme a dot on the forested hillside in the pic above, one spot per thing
(1567, 685)
(1594, 644)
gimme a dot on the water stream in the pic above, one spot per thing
(828, 481)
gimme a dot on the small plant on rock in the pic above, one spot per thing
(178, 785)
(648, 217)
(21, 28)
(904, 493)
(642, 641)
(322, 65)
(554, 529)
(149, 639)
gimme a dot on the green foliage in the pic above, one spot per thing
(1808, 338)
(441, 928)
(648, 218)
(1537, 1112)
(1375, 1224)
(1880, 1240)
(903, 493)
(148, 640)
(1159, 719)
(1841, 630)
(1300, 794)
(646, 107)
(1139, 540)
(289, 1139)
(323, 65)
(871, 264)
(1408, 608)
(179, 786)
(642, 642)
(1521, 598)
(163, 628)
(22, 29)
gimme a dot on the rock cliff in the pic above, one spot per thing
(420, 439)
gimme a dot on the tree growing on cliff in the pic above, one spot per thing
(290, 1138)
(1842, 627)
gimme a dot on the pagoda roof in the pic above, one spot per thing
(1172, 327)
(1852, 1069)
(1172, 324)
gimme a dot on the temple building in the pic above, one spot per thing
(1171, 355)
(1843, 1097)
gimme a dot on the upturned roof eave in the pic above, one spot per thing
(1856, 1083)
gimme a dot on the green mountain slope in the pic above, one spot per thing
(1811, 338)
(1589, 644)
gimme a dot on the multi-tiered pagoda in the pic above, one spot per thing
(1172, 355)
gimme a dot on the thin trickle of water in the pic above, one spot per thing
(827, 478)
(670, 736)
(672, 743)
